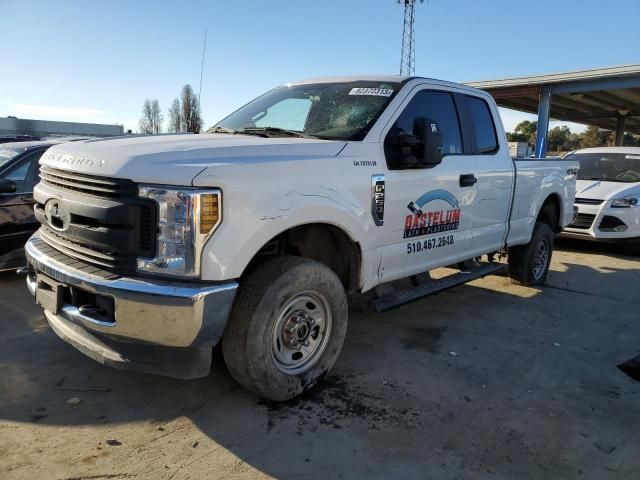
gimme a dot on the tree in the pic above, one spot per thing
(175, 117)
(190, 118)
(591, 137)
(573, 143)
(558, 139)
(517, 137)
(527, 130)
(151, 121)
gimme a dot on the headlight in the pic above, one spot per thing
(625, 202)
(186, 219)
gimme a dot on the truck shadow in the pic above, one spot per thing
(463, 382)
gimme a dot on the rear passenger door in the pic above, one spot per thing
(494, 185)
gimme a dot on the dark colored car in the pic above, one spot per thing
(17, 138)
(19, 172)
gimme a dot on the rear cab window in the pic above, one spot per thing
(485, 138)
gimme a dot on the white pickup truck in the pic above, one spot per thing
(153, 249)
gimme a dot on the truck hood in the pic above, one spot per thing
(177, 159)
(601, 190)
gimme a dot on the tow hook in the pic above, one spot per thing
(26, 270)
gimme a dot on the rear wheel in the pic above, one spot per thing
(529, 264)
(287, 327)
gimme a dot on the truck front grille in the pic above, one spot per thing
(583, 221)
(106, 259)
(55, 254)
(84, 184)
(147, 230)
(109, 225)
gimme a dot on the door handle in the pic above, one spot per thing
(468, 180)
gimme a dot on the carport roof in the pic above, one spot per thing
(595, 97)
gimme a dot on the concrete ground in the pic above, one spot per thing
(486, 380)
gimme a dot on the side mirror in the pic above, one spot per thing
(7, 186)
(428, 132)
(405, 149)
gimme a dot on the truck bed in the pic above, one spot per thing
(534, 181)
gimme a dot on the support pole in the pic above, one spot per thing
(620, 126)
(544, 107)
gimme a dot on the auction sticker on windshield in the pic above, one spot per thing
(374, 92)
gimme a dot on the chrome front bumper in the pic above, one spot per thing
(160, 327)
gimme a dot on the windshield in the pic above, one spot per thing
(6, 154)
(340, 111)
(608, 167)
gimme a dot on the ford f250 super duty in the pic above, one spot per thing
(153, 249)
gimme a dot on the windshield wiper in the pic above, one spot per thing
(266, 131)
(220, 129)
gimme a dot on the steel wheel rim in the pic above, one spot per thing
(301, 332)
(540, 259)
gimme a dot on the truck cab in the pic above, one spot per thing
(156, 248)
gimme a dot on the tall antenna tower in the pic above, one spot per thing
(408, 52)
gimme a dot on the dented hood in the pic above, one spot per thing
(177, 159)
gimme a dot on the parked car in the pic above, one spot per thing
(608, 196)
(152, 249)
(17, 138)
(18, 175)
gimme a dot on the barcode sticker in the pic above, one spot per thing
(373, 92)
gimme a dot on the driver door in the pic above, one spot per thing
(428, 211)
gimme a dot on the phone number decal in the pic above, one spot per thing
(429, 244)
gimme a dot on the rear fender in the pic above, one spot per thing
(534, 185)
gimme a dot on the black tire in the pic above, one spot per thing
(249, 344)
(525, 267)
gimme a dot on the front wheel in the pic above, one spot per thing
(529, 264)
(287, 327)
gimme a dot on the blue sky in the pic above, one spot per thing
(97, 61)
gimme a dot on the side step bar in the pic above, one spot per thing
(398, 298)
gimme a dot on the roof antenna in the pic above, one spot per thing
(204, 47)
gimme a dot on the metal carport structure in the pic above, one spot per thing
(606, 97)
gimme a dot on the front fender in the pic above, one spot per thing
(250, 223)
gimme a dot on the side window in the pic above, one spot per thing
(436, 107)
(485, 130)
(290, 114)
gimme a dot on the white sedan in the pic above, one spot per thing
(608, 196)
